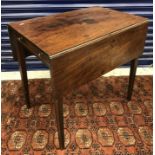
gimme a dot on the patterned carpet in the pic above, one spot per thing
(98, 119)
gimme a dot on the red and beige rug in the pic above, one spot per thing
(98, 119)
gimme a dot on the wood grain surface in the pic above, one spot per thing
(58, 33)
(87, 63)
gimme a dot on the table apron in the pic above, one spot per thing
(28, 47)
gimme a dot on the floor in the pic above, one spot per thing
(98, 119)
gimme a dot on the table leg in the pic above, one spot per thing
(58, 103)
(133, 68)
(23, 72)
(57, 98)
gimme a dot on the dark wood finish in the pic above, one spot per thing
(133, 68)
(14, 43)
(79, 46)
(91, 61)
(58, 102)
(57, 98)
(58, 33)
(23, 72)
(37, 52)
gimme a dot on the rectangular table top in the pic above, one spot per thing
(56, 34)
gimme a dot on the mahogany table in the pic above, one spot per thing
(78, 46)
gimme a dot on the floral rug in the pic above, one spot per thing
(98, 119)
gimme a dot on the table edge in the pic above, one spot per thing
(60, 53)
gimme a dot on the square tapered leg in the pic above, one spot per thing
(133, 68)
(23, 72)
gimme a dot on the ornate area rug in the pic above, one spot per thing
(98, 119)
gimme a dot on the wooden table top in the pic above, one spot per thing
(56, 34)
